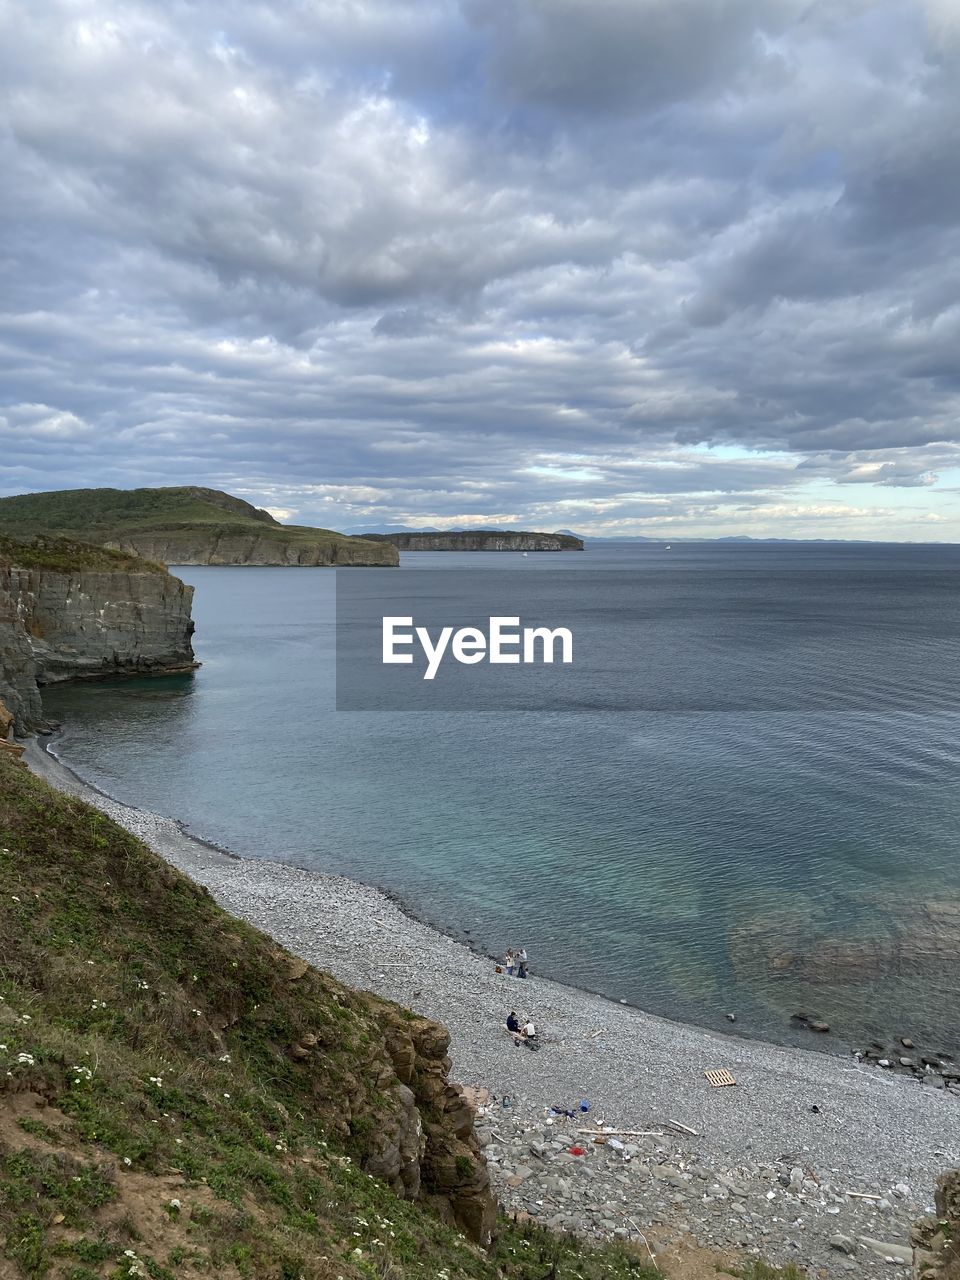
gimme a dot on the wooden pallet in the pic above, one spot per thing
(720, 1078)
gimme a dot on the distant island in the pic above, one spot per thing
(184, 525)
(478, 540)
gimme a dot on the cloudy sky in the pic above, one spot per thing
(621, 266)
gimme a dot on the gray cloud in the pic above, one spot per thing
(618, 262)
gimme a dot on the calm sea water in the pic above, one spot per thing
(690, 862)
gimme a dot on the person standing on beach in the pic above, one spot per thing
(509, 963)
(522, 962)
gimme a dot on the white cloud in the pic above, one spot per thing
(440, 260)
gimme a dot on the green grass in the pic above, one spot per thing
(92, 510)
(102, 515)
(154, 1030)
(65, 555)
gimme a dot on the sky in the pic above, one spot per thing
(661, 267)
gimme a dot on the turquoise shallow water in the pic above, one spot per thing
(692, 863)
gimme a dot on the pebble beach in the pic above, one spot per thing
(808, 1157)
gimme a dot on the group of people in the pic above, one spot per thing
(522, 1032)
(515, 962)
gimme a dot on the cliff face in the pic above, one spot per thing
(18, 668)
(425, 1147)
(67, 613)
(96, 624)
(480, 540)
(245, 546)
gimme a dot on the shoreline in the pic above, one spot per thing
(86, 789)
(839, 1125)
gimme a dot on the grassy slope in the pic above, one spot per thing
(100, 515)
(143, 1061)
(64, 555)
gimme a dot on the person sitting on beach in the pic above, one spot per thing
(509, 963)
(529, 1031)
(513, 1023)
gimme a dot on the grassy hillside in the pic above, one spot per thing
(65, 555)
(181, 1098)
(92, 511)
(181, 521)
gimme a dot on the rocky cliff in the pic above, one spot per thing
(70, 611)
(936, 1241)
(19, 691)
(244, 545)
(480, 540)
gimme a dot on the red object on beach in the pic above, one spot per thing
(577, 1151)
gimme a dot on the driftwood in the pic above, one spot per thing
(646, 1245)
(863, 1195)
(623, 1133)
(685, 1128)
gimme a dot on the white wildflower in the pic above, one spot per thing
(25, 1060)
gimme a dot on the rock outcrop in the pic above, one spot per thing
(449, 1172)
(71, 612)
(421, 1141)
(19, 691)
(936, 1241)
(245, 545)
(479, 540)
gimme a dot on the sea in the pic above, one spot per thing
(697, 857)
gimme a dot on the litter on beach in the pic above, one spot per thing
(623, 1133)
(720, 1078)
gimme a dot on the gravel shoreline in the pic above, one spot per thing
(773, 1159)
